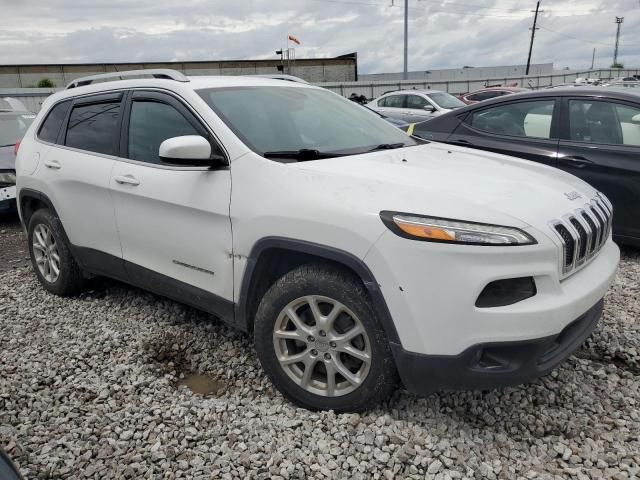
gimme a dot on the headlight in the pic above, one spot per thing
(7, 178)
(434, 229)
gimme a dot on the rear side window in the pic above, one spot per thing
(605, 123)
(393, 101)
(94, 127)
(150, 124)
(51, 126)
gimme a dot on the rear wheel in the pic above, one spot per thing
(319, 341)
(51, 257)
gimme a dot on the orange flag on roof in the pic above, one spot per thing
(294, 39)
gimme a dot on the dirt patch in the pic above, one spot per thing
(172, 355)
(202, 384)
(13, 243)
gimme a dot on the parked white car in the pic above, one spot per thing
(350, 251)
(414, 106)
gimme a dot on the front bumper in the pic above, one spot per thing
(493, 365)
(431, 291)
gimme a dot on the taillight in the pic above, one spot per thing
(16, 147)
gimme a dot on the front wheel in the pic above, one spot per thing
(320, 342)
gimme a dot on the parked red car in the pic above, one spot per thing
(487, 93)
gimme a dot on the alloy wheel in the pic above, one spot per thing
(322, 346)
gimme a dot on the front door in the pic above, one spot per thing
(601, 145)
(525, 129)
(419, 109)
(173, 221)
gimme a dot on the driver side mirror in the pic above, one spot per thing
(189, 150)
(430, 108)
(636, 119)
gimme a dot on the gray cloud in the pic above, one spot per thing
(442, 33)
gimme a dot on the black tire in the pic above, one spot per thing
(341, 285)
(70, 280)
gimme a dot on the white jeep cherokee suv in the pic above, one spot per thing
(354, 254)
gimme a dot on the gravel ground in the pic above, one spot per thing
(93, 387)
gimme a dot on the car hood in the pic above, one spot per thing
(454, 182)
(7, 158)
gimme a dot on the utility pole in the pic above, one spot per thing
(593, 58)
(619, 21)
(406, 39)
(533, 34)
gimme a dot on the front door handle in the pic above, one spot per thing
(53, 164)
(127, 180)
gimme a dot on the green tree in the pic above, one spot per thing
(617, 65)
(46, 83)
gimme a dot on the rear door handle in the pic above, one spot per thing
(127, 180)
(53, 164)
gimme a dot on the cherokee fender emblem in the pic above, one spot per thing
(572, 195)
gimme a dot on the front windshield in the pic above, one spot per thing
(287, 119)
(445, 100)
(13, 127)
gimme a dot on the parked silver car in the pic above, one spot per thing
(414, 106)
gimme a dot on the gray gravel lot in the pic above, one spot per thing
(90, 387)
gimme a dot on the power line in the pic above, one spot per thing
(468, 5)
(431, 10)
(592, 42)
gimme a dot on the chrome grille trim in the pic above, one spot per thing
(583, 233)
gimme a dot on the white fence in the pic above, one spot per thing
(373, 89)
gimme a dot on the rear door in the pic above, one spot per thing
(601, 145)
(393, 106)
(527, 129)
(76, 169)
(173, 221)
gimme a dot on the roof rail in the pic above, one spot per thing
(281, 76)
(165, 73)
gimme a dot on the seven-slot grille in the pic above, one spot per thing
(584, 232)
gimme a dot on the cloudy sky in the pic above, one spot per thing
(443, 33)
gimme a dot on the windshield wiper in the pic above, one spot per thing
(301, 155)
(387, 146)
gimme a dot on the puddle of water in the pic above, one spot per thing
(202, 384)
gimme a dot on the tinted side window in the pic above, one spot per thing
(416, 102)
(51, 125)
(150, 124)
(524, 119)
(94, 127)
(604, 123)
